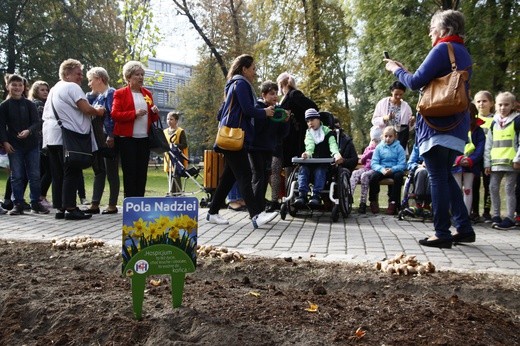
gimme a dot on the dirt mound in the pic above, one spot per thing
(78, 297)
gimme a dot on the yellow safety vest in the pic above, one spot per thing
(176, 139)
(487, 122)
(503, 151)
(470, 147)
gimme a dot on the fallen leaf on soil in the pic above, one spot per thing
(359, 334)
(312, 307)
(254, 294)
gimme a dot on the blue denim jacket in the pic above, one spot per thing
(106, 99)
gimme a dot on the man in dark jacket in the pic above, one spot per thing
(346, 148)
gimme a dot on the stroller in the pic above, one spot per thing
(177, 169)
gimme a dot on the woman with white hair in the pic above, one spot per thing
(296, 103)
(441, 139)
(74, 112)
(106, 161)
(133, 112)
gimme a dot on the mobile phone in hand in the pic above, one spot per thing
(387, 56)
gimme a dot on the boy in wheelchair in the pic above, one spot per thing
(319, 143)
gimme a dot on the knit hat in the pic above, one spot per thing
(311, 113)
(375, 134)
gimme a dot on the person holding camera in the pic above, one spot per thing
(442, 139)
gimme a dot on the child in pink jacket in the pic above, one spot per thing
(363, 174)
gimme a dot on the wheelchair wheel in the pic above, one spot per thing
(289, 203)
(345, 198)
(335, 213)
(283, 211)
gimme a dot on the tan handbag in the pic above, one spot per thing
(230, 138)
(446, 95)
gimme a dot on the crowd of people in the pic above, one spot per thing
(450, 156)
(118, 122)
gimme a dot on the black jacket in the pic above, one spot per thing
(347, 151)
(268, 133)
(294, 145)
(16, 116)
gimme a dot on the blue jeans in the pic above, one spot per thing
(25, 164)
(234, 194)
(320, 178)
(445, 193)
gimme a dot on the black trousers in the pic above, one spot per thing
(260, 166)
(134, 154)
(65, 179)
(237, 169)
(395, 192)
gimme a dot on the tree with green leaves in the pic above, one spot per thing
(401, 28)
(141, 35)
(221, 25)
(37, 35)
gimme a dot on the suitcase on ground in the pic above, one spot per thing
(213, 168)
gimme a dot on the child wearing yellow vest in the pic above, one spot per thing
(502, 158)
(176, 136)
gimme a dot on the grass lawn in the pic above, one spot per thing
(156, 185)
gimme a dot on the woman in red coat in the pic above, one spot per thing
(133, 112)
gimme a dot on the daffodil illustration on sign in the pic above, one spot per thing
(159, 236)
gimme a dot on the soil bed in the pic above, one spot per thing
(78, 297)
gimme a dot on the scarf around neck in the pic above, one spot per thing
(318, 135)
(452, 38)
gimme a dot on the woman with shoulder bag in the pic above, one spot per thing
(74, 112)
(442, 139)
(238, 111)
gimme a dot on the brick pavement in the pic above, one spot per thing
(359, 238)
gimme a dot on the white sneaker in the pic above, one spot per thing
(84, 201)
(263, 218)
(216, 219)
(45, 203)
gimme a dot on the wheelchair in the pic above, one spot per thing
(409, 211)
(336, 196)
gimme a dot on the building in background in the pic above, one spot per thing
(167, 77)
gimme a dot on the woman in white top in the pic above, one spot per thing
(74, 111)
(133, 112)
(394, 111)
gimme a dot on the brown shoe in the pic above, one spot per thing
(374, 207)
(391, 209)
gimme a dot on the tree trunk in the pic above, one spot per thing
(184, 10)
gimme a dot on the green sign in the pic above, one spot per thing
(159, 237)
